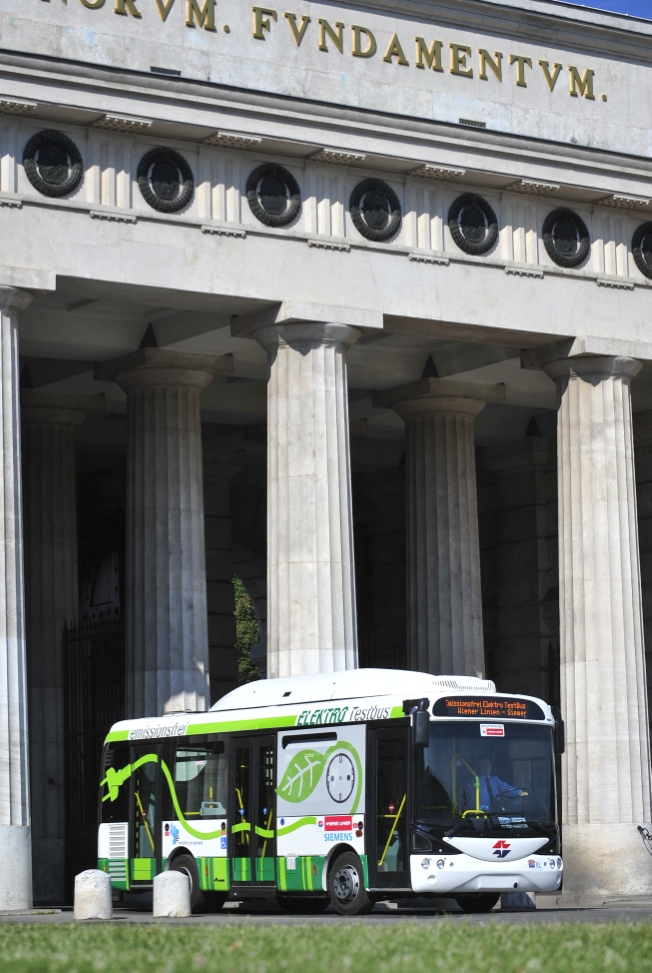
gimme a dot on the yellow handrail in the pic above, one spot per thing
(243, 819)
(269, 821)
(142, 813)
(392, 830)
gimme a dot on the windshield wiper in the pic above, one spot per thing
(458, 827)
(540, 828)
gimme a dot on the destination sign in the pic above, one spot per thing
(481, 707)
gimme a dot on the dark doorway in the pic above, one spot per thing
(94, 699)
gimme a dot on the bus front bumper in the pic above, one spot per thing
(446, 874)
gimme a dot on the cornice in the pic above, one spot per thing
(334, 117)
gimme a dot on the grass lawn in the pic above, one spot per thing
(396, 947)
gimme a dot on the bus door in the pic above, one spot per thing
(145, 812)
(252, 842)
(388, 807)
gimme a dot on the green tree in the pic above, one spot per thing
(247, 633)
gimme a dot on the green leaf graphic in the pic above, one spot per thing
(301, 776)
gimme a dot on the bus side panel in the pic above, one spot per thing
(213, 874)
(320, 801)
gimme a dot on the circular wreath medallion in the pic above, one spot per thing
(53, 164)
(273, 195)
(165, 180)
(473, 224)
(566, 238)
(642, 249)
(375, 210)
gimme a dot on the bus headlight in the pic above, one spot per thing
(441, 863)
(425, 863)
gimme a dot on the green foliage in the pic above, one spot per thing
(385, 944)
(247, 633)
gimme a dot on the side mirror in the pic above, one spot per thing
(421, 728)
(418, 709)
(560, 731)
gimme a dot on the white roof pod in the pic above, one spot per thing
(350, 684)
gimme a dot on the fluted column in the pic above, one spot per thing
(606, 769)
(49, 420)
(167, 636)
(310, 576)
(443, 550)
(15, 834)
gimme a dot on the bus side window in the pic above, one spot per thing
(116, 757)
(200, 780)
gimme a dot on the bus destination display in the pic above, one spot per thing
(476, 707)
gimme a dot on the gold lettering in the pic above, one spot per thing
(459, 54)
(337, 38)
(93, 4)
(297, 32)
(204, 16)
(357, 42)
(164, 8)
(261, 21)
(431, 56)
(126, 7)
(395, 50)
(551, 79)
(521, 61)
(581, 87)
(496, 66)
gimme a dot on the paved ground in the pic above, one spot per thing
(382, 914)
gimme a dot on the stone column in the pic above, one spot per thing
(310, 576)
(443, 551)
(15, 832)
(167, 637)
(49, 420)
(606, 768)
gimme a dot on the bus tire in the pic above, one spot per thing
(346, 886)
(188, 865)
(297, 904)
(482, 902)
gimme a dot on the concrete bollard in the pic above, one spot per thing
(171, 895)
(517, 901)
(93, 896)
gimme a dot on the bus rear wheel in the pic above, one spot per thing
(482, 902)
(346, 886)
(308, 905)
(200, 901)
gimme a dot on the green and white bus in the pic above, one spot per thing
(345, 787)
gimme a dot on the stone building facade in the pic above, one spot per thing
(350, 302)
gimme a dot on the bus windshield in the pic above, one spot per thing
(507, 778)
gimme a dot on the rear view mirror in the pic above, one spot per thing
(560, 731)
(421, 723)
(419, 709)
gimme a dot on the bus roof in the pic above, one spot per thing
(350, 684)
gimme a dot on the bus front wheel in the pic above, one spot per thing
(200, 901)
(346, 886)
(482, 902)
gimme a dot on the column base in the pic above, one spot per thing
(605, 861)
(16, 871)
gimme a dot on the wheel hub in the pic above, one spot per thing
(346, 883)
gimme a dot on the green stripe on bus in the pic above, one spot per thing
(264, 723)
(396, 713)
(117, 735)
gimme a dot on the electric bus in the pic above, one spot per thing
(345, 787)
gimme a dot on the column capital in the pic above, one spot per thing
(305, 336)
(57, 408)
(161, 368)
(437, 396)
(13, 300)
(592, 368)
